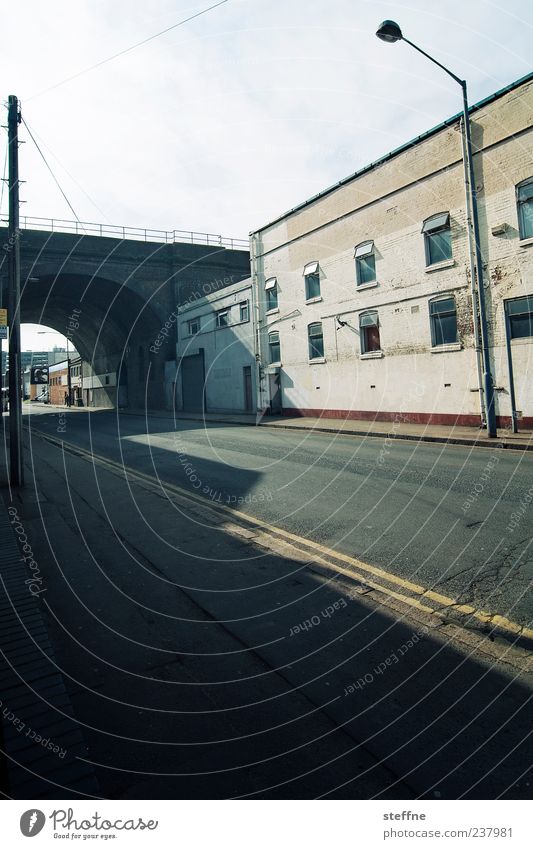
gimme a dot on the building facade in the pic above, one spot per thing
(58, 383)
(365, 291)
(216, 355)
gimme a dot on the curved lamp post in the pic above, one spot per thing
(390, 32)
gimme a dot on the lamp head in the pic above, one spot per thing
(389, 31)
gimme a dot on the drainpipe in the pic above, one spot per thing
(256, 327)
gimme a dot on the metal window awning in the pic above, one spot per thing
(436, 222)
(442, 305)
(525, 193)
(310, 268)
(369, 319)
(364, 249)
(520, 306)
(271, 283)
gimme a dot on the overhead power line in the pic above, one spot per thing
(126, 50)
(71, 176)
(56, 181)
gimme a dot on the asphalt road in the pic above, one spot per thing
(203, 663)
(446, 517)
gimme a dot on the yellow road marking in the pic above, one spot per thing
(491, 619)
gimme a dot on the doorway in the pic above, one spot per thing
(192, 383)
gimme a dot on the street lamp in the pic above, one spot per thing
(390, 32)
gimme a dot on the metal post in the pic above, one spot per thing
(473, 292)
(488, 385)
(69, 381)
(16, 475)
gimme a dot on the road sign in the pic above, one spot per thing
(3, 331)
(3, 316)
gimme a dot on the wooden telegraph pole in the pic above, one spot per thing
(16, 476)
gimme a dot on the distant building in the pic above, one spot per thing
(365, 289)
(216, 353)
(98, 390)
(36, 358)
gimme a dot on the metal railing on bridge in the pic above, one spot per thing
(84, 228)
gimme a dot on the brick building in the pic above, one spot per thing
(365, 289)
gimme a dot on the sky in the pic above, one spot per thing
(224, 123)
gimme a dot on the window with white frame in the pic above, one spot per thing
(316, 340)
(437, 238)
(222, 318)
(244, 311)
(312, 281)
(365, 263)
(271, 291)
(520, 316)
(274, 348)
(369, 332)
(193, 326)
(443, 319)
(524, 201)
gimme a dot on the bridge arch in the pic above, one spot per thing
(108, 324)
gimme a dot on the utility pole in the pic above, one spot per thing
(16, 476)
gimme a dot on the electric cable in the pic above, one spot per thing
(56, 181)
(126, 50)
(67, 172)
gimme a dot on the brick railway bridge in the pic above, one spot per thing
(119, 285)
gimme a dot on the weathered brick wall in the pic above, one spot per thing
(389, 204)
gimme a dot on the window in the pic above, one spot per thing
(443, 318)
(271, 289)
(437, 238)
(193, 326)
(312, 281)
(222, 318)
(369, 328)
(365, 263)
(244, 311)
(520, 314)
(316, 340)
(524, 199)
(274, 348)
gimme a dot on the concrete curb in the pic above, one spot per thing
(411, 437)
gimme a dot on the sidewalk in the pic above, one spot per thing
(447, 434)
(385, 430)
(42, 752)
